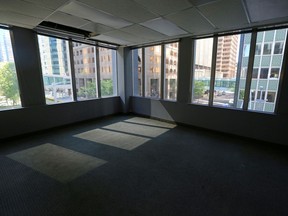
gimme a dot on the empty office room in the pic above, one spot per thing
(143, 108)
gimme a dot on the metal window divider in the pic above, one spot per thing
(192, 72)
(72, 64)
(97, 60)
(249, 70)
(162, 78)
(143, 72)
(213, 70)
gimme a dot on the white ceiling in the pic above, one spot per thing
(134, 22)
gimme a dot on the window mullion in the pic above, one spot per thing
(71, 56)
(238, 72)
(192, 72)
(162, 84)
(98, 71)
(213, 70)
(143, 72)
(249, 70)
(281, 100)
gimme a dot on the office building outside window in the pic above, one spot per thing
(267, 70)
(153, 71)
(55, 62)
(231, 70)
(85, 71)
(137, 71)
(108, 74)
(170, 71)
(202, 71)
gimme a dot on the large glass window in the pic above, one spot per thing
(152, 71)
(202, 71)
(264, 87)
(108, 74)
(9, 91)
(85, 71)
(171, 71)
(55, 62)
(230, 74)
(137, 71)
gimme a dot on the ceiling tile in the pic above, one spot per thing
(225, 13)
(12, 18)
(142, 31)
(96, 28)
(66, 19)
(107, 38)
(164, 7)
(201, 2)
(126, 9)
(164, 26)
(89, 13)
(52, 4)
(260, 10)
(125, 36)
(25, 8)
(191, 20)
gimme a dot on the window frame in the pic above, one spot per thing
(250, 67)
(96, 46)
(163, 62)
(22, 102)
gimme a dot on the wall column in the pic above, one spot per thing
(28, 66)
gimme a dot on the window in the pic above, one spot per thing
(202, 71)
(56, 72)
(264, 73)
(137, 71)
(255, 73)
(170, 90)
(266, 85)
(231, 71)
(246, 50)
(278, 48)
(86, 88)
(9, 90)
(108, 80)
(257, 49)
(271, 97)
(267, 49)
(152, 72)
(227, 72)
(274, 73)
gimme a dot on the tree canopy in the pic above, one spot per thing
(199, 88)
(106, 87)
(89, 91)
(8, 82)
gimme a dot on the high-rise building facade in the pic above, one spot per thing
(56, 69)
(153, 71)
(152, 64)
(171, 71)
(226, 61)
(55, 62)
(266, 73)
(85, 69)
(6, 54)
